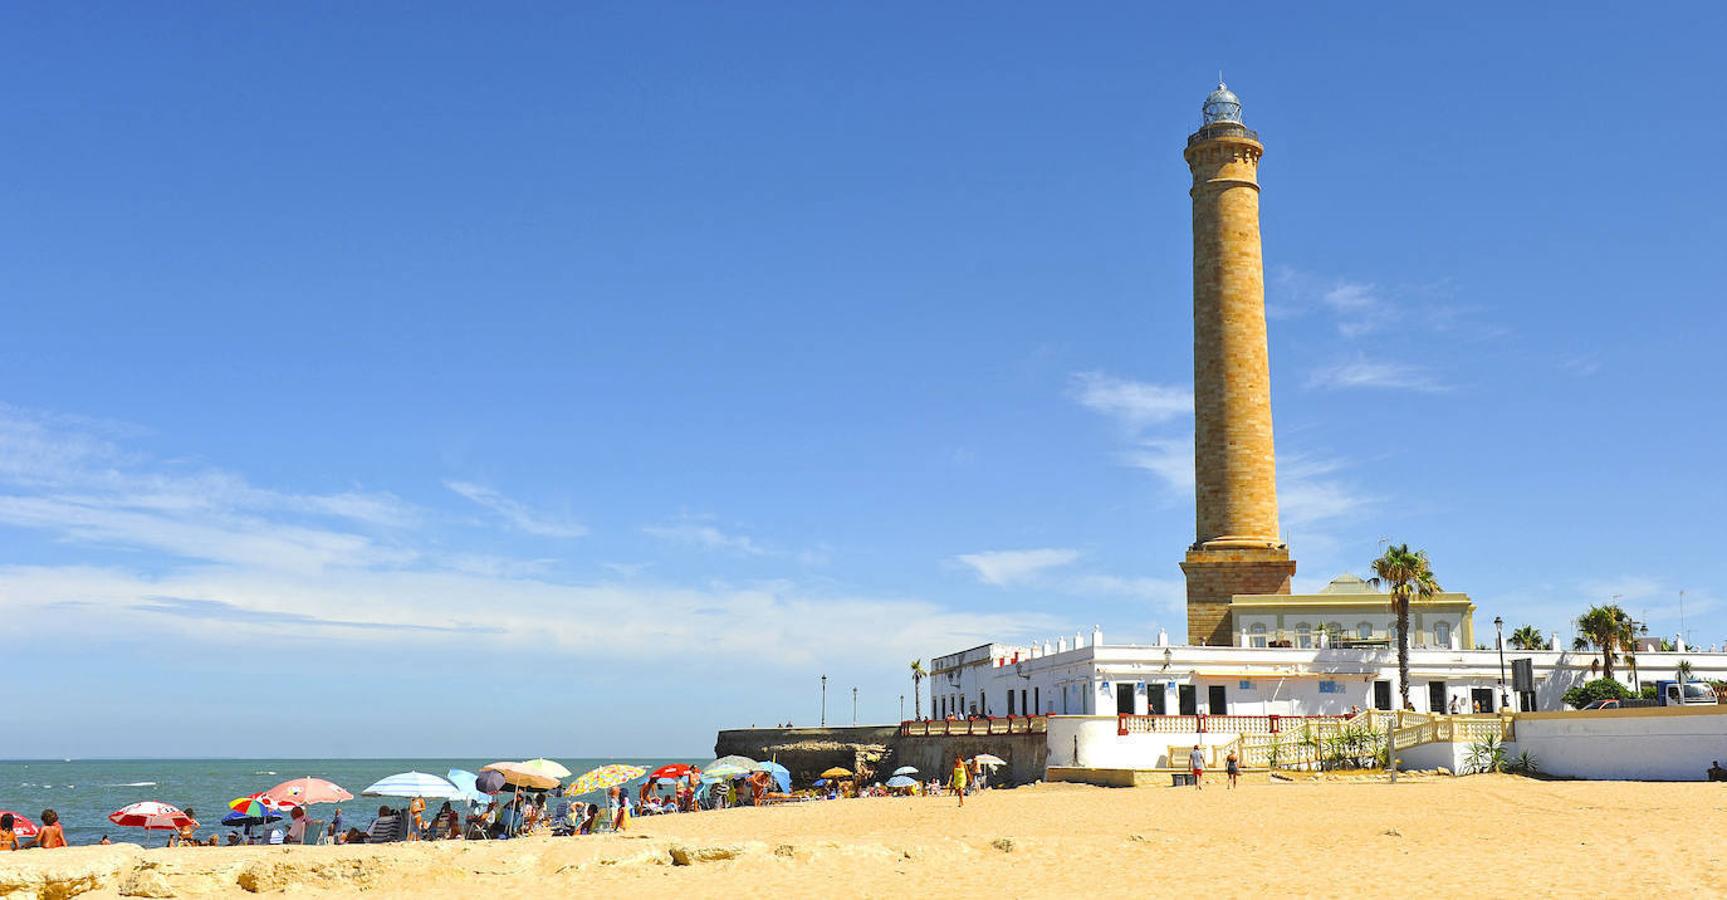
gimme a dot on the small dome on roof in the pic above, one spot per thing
(1222, 105)
(1347, 584)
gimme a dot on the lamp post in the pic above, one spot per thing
(1499, 634)
(902, 707)
(854, 706)
(824, 701)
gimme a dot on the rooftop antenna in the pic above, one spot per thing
(1682, 630)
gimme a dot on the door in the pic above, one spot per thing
(1124, 699)
(1154, 699)
(1010, 704)
(1481, 700)
(1382, 695)
(1189, 697)
(1436, 697)
(1217, 699)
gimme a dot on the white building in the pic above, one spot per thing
(1080, 676)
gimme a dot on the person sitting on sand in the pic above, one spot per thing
(1716, 773)
(297, 825)
(590, 818)
(9, 838)
(187, 833)
(233, 838)
(51, 834)
(212, 842)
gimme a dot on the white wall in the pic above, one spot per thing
(1660, 744)
(1094, 742)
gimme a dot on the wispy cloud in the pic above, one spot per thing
(1135, 404)
(1580, 366)
(518, 515)
(1373, 374)
(705, 535)
(1170, 459)
(1005, 568)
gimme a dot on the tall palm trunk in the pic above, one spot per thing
(917, 696)
(1403, 649)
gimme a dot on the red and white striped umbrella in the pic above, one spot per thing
(152, 816)
(22, 827)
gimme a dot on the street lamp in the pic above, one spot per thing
(854, 706)
(824, 701)
(1499, 633)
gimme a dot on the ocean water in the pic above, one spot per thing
(84, 792)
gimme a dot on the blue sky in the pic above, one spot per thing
(576, 379)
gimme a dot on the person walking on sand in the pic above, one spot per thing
(1196, 762)
(1232, 766)
(959, 777)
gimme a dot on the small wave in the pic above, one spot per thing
(263, 773)
(133, 784)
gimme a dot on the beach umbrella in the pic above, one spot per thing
(673, 771)
(742, 762)
(304, 792)
(819, 782)
(489, 782)
(723, 772)
(906, 770)
(900, 781)
(22, 827)
(413, 784)
(837, 772)
(604, 777)
(152, 815)
(468, 783)
(237, 819)
(782, 775)
(251, 805)
(526, 775)
(985, 759)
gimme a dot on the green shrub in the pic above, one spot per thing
(1487, 755)
(1522, 764)
(1599, 689)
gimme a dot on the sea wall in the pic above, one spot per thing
(879, 749)
(807, 752)
(1650, 744)
(1025, 755)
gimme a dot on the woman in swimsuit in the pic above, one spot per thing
(959, 778)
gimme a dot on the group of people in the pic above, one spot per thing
(49, 834)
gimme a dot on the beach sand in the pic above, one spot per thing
(1482, 835)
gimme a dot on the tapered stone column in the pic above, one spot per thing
(1237, 549)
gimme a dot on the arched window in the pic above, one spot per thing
(1442, 635)
(1256, 635)
(1364, 631)
(1303, 635)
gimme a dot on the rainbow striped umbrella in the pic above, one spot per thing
(252, 806)
(604, 777)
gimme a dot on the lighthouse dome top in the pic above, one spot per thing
(1222, 105)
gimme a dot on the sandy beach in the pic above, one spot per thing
(1484, 835)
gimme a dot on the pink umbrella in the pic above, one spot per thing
(304, 792)
(22, 827)
(152, 816)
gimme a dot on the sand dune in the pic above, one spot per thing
(1485, 835)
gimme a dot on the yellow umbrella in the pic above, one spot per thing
(837, 772)
(604, 777)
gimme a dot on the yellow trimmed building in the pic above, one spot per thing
(1348, 612)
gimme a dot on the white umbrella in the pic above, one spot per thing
(985, 759)
(414, 784)
(906, 770)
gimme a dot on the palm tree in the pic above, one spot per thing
(1528, 637)
(1609, 628)
(1407, 575)
(918, 674)
(1683, 671)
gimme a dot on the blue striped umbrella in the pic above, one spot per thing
(900, 781)
(414, 784)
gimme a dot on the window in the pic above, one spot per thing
(1364, 631)
(1442, 634)
(1256, 635)
(1303, 635)
(1330, 687)
(1244, 685)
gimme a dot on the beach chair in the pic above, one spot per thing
(314, 833)
(386, 830)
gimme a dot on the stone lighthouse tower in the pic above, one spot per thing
(1237, 549)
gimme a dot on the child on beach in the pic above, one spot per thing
(959, 778)
(1232, 765)
(8, 837)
